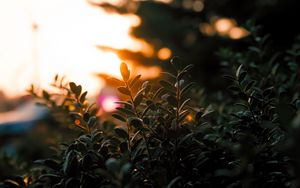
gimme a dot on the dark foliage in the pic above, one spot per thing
(170, 134)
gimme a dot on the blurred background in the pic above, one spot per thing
(86, 40)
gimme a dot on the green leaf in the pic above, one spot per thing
(46, 95)
(121, 133)
(126, 111)
(138, 99)
(75, 89)
(176, 62)
(70, 164)
(169, 74)
(126, 104)
(158, 93)
(11, 183)
(83, 96)
(124, 90)
(229, 77)
(249, 85)
(187, 88)
(184, 103)
(238, 71)
(124, 71)
(173, 182)
(134, 81)
(167, 85)
(92, 121)
(119, 117)
(135, 122)
(242, 76)
(187, 68)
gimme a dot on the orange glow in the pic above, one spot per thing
(63, 42)
(189, 117)
(206, 29)
(147, 72)
(26, 180)
(238, 32)
(165, 1)
(77, 122)
(223, 25)
(164, 53)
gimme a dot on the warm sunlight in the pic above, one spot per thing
(40, 38)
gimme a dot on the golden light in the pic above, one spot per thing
(198, 6)
(165, 1)
(164, 53)
(206, 29)
(223, 25)
(63, 40)
(26, 180)
(189, 117)
(187, 4)
(238, 33)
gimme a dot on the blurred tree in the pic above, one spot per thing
(192, 30)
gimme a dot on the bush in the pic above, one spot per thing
(172, 134)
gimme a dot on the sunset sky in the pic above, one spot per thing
(63, 42)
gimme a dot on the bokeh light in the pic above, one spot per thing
(164, 53)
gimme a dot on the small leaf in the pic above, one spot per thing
(124, 90)
(242, 76)
(119, 117)
(70, 164)
(249, 85)
(184, 103)
(169, 74)
(121, 133)
(11, 183)
(229, 77)
(92, 121)
(134, 81)
(46, 95)
(126, 111)
(138, 99)
(73, 87)
(268, 91)
(176, 62)
(187, 88)
(135, 122)
(167, 85)
(238, 71)
(83, 96)
(173, 182)
(157, 93)
(124, 71)
(188, 67)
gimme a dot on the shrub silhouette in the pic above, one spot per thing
(174, 135)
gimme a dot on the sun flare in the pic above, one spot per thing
(42, 38)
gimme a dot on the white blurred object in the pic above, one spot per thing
(22, 119)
